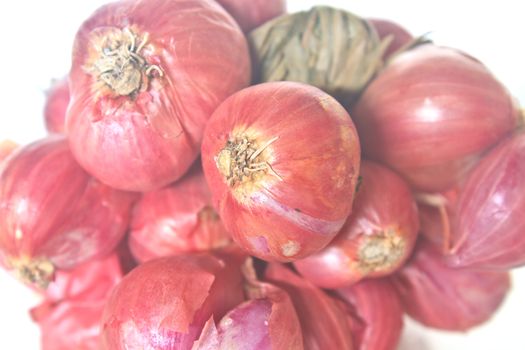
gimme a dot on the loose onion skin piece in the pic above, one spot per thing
(176, 219)
(446, 298)
(486, 224)
(431, 96)
(323, 319)
(377, 238)
(281, 160)
(69, 317)
(164, 303)
(268, 320)
(377, 314)
(53, 215)
(57, 100)
(253, 13)
(385, 28)
(145, 78)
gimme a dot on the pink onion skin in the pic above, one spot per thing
(377, 314)
(268, 320)
(53, 213)
(253, 13)
(243, 328)
(487, 232)
(385, 28)
(323, 319)
(165, 303)
(377, 238)
(176, 219)
(296, 206)
(69, 317)
(431, 113)
(147, 141)
(57, 100)
(445, 298)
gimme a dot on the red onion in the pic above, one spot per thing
(267, 321)
(6, 148)
(452, 299)
(389, 29)
(53, 215)
(69, 318)
(323, 319)
(431, 113)
(487, 225)
(253, 13)
(377, 314)
(57, 100)
(281, 160)
(145, 78)
(176, 219)
(376, 239)
(164, 303)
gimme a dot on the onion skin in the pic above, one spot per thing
(488, 226)
(142, 134)
(55, 108)
(6, 148)
(176, 219)
(376, 239)
(445, 298)
(253, 13)
(430, 96)
(437, 216)
(69, 318)
(53, 215)
(377, 314)
(294, 206)
(268, 320)
(385, 28)
(323, 319)
(164, 303)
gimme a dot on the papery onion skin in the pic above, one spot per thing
(69, 317)
(57, 101)
(176, 219)
(437, 213)
(446, 298)
(385, 28)
(268, 320)
(253, 13)
(488, 228)
(431, 113)
(377, 314)
(323, 319)
(144, 131)
(6, 148)
(164, 303)
(53, 215)
(301, 189)
(377, 238)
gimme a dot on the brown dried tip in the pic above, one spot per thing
(39, 272)
(242, 159)
(379, 252)
(118, 62)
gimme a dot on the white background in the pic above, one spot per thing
(35, 46)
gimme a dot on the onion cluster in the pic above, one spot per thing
(223, 175)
